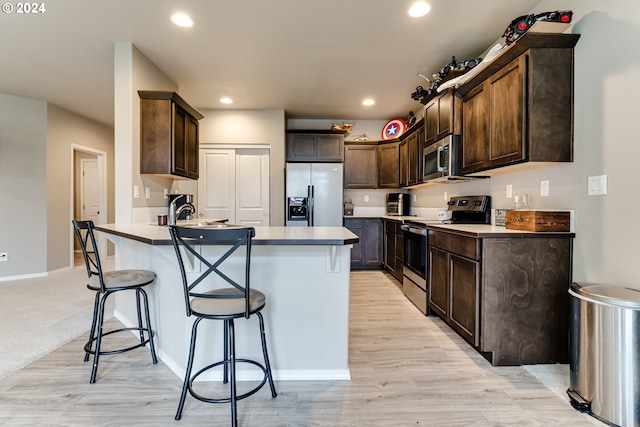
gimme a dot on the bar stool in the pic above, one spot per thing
(105, 284)
(235, 301)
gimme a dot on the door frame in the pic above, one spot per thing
(101, 157)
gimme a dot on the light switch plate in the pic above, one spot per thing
(509, 191)
(544, 188)
(597, 185)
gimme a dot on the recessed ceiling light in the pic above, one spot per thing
(182, 20)
(419, 9)
(368, 102)
(226, 100)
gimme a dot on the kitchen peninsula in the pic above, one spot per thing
(303, 271)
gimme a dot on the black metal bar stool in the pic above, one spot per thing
(236, 301)
(105, 284)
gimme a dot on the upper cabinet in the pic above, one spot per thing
(169, 135)
(315, 146)
(385, 164)
(388, 162)
(520, 107)
(442, 116)
(411, 145)
(360, 166)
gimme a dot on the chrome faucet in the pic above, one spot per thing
(174, 212)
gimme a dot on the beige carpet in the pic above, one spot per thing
(39, 315)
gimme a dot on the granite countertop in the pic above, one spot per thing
(265, 235)
(488, 231)
(471, 230)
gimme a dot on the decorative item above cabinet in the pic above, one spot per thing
(169, 135)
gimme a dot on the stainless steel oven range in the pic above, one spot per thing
(462, 210)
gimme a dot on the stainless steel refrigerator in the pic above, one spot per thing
(314, 194)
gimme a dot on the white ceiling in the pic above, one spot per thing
(311, 58)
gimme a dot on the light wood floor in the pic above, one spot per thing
(407, 370)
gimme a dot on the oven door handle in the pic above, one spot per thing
(415, 230)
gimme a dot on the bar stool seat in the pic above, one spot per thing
(104, 284)
(236, 301)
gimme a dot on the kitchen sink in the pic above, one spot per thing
(208, 224)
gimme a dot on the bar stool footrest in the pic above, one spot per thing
(88, 346)
(228, 399)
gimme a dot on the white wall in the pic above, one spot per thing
(134, 72)
(65, 129)
(607, 69)
(23, 217)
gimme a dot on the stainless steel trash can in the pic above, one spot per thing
(605, 352)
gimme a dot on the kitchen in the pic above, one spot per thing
(604, 245)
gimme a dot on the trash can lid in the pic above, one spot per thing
(608, 294)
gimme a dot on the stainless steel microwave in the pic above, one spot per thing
(441, 161)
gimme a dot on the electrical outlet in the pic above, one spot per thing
(509, 191)
(166, 193)
(544, 188)
(446, 197)
(366, 198)
(147, 192)
(415, 197)
(4, 256)
(136, 191)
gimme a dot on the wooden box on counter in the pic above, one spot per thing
(534, 220)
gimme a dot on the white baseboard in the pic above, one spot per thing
(252, 373)
(25, 276)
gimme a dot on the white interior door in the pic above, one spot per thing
(216, 186)
(252, 186)
(90, 190)
(234, 185)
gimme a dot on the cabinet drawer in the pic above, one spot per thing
(393, 226)
(467, 247)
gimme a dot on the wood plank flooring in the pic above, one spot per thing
(407, 370)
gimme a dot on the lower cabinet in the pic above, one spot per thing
(393, 248)
(366, 254)
(506, 296)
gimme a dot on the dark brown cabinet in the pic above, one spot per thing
(520, 108)
(442, 115)
(454, 281)
(410, 153)
(169, 135)
(403, 164)
(315, 146)
(360, 166)
(393, 249)
(367, 253)
(388, 162)
(505, 295)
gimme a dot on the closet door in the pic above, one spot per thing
(216, 185)
(234, 185)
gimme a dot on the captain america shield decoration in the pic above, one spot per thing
(394, 128)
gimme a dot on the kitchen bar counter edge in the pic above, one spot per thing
(265, 235)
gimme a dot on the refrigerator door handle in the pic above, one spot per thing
(310, 202)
